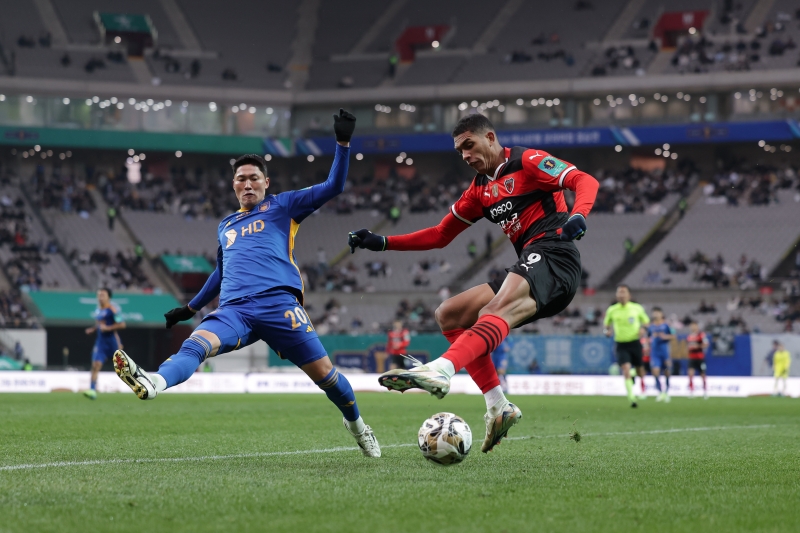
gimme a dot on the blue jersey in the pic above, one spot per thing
(256, 247)
(658, 345)
(109, 316)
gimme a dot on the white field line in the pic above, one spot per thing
(342, 449)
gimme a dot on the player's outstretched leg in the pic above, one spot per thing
(134, 377)
(339, 391)
(176, 369)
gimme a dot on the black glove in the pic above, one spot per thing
(365, 239)
(179, 314)
(575, 228)
(343, 126)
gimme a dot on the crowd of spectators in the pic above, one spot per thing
(622, 60)
(117, 271)
(746, 273)
(701, 53)
(192, 194)
(61, 191)
(13, 313)
(637, 191)
(745, 185)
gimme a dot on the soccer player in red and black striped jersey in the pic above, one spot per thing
(521, 190)
(697, 342)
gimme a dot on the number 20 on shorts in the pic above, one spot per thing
(298, 317)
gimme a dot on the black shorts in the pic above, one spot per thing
(553, 270)
(399, 361)
(629, 352)
(699, 365)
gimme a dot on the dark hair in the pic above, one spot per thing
(622, 285)
(658, 309)
(250, 159)
(108, 291)
(474, 123)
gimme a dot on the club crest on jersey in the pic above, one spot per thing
(231, 235)
(495, 190)
(264, 207)
(509, 183)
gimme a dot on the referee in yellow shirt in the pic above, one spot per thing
(781, 360)
(627, 320)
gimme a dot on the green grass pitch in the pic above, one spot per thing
(657, 468)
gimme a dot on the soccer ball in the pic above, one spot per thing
(445, 439)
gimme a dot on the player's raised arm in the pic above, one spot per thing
(585, 188)
(209, 291)
(302, 203)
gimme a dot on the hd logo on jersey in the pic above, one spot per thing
(256, 226)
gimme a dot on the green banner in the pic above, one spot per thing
(63, 308)
(124, 140)
(187, 264)
(124, 23)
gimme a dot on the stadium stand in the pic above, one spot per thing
(738, 232)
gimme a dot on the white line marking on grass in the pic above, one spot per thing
(341, 449)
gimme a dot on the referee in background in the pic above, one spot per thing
(628, 321)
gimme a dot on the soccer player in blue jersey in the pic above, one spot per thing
(661, 334)
(108, 320)
(260, 289)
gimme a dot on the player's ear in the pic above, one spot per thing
(491, 137)
(266, 179)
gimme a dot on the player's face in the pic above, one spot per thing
(694, 328)
(476, 150)
(658, 316)
(102, 298)
(250, 185)
(623, 295)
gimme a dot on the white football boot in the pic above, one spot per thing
(497, 426)
(419, 377)
(366, 441)
(134, 377)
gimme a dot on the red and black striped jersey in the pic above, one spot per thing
(524, 197)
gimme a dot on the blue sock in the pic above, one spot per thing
(666, 378)
(182, 365)
(658, 383)
(339, 391)
(94, 385)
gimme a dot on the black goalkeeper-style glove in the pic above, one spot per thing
(343, 126)
(574, 229)
(179, 314)
(365, 239)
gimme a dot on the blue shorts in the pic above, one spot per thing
(659, 359)
(500, 360)
(274, 316)
(104, 348)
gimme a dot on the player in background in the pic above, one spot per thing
(108, 321)
(627, 320)
(500, 361)
(521, 190)
(645, 341)
(698, 344)
(781, 360)
(661, 334)
(397, 344)
(261, 290)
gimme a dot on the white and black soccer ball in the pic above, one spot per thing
(445, 439)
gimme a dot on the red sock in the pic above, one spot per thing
(642, 382)
(452, 334)
(705, 387)
(481, 370)
(481, 339)
(691, 383)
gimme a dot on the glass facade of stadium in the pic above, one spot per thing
(530, 111)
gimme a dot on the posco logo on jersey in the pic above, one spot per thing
(500, 209)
